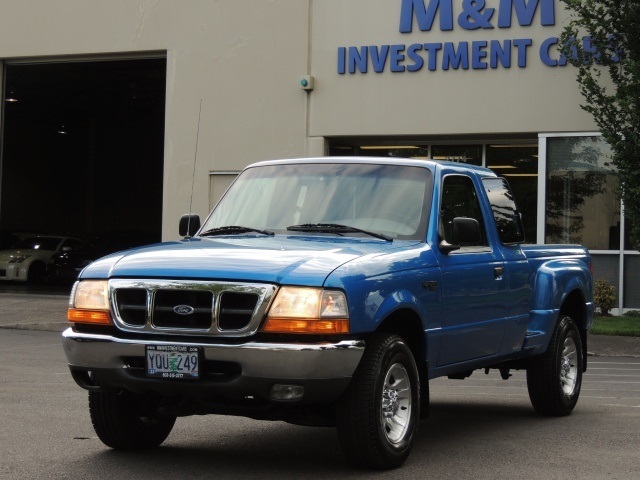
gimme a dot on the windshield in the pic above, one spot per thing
(38, 243)
(385, 199)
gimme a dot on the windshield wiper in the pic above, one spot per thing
(232, 230)
(336, 228)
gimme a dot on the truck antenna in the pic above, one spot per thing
(193, 176)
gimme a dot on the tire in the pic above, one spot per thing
(377, 418)
(554, 379)
(120, 422)
(37, 273)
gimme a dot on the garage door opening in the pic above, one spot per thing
(83, 149)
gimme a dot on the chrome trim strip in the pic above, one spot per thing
(321, 360)
(265, 293)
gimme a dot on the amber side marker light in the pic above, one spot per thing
(92, 317)
(288, 325)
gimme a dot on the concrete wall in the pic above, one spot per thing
(536, 98)
(242, 60)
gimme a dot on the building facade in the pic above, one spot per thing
(477, 82)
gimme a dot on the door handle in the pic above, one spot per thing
(498, 271)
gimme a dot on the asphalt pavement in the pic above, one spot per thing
(42, 310)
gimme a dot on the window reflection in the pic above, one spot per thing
(518, 163)
(469, 154)
(504, 210)
(581, 206)
(387, 199)
(459, 199)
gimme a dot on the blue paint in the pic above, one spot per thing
(471, 317)
(455, 57)
(425, 15)
(397, 57)
(545, 55)
(525, 10)
(477, 54)
(521, 45)
(294, 260)
(500, 53)
(433, 49)
(414, 56)
(460, 304)
(358, 59)
(379, 57)
(342, 59)
(474, 14)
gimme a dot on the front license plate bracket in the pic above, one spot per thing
(174, 362)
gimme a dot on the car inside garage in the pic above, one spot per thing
(82, 152)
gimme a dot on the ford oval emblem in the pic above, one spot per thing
(184, 309)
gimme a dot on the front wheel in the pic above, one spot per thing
(36, 274)
(125, 421)
(377, 418)
(554, 378)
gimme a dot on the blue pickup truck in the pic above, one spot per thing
(329, 291)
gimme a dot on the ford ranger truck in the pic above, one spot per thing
(329, 291)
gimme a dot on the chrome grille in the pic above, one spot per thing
(183, 309)
(236, 310)
(132, 305)
(192, 307)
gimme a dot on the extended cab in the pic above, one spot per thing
(329, 291)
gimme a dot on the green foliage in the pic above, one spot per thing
(604, 297)
(609, 79)
(632, 313)
(623, 326)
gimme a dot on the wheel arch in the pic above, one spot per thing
(574, 305)
(36, 270)
(560, 287)
(556, 280)
(406, 323)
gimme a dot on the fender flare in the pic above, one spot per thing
(555, 280)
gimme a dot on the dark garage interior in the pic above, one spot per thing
(83, 148)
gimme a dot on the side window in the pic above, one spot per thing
(459, 199)
(72, 243)
(504, 210)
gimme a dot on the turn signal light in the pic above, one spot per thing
(291, 325)
(93, 317)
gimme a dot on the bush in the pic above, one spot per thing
(632, 313)
(604, 297)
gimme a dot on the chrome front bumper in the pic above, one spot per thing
(321, 366)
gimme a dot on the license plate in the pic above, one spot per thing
(173, 362)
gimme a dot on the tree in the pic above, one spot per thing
(608, 64)
(569, 188)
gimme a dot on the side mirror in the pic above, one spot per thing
(189, 225)
(466, 231)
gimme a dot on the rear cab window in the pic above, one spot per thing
(505, 213)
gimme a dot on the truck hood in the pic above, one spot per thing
(293, 260)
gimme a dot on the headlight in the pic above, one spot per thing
(18, 258)
(308, 310)
(89, 302)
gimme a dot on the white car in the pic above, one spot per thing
(27, 260)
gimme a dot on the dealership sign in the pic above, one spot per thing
(470, 15)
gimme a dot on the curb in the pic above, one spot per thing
(42, 327)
